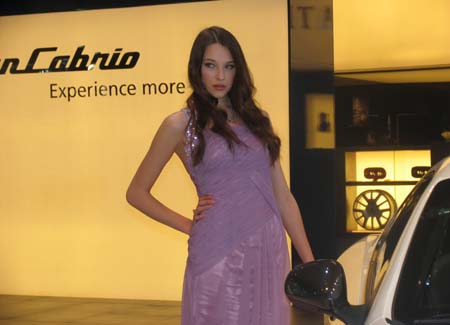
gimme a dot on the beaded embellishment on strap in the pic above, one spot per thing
(191, 136)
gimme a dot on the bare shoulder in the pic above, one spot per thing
(176, 122)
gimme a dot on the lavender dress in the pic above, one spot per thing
(238, 256)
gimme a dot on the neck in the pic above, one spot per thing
(224, 103)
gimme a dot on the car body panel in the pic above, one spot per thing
(356, 259)
(382, 305)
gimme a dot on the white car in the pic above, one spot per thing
(403, 275)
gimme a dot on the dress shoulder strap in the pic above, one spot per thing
(186, 112)
(190, 135)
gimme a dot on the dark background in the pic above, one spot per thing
(21, 7)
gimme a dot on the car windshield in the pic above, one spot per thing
(381, 257)
(423, 291)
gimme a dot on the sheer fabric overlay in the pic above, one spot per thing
(238, 256)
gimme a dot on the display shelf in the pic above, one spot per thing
(377, 182)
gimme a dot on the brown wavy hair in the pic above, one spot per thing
(203, 106)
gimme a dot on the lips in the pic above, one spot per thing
(219, 87)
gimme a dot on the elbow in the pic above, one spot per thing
(137, 195)
(131, 196)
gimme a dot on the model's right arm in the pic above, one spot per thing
(169, 136)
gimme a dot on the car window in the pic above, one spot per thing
(381, 257)
(423, 291)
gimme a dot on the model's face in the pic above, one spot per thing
(218, 70)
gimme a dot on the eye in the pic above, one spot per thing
(229, 66)
(209, 65)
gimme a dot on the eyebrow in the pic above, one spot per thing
(209, 59)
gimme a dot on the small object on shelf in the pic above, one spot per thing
(374, 173)
(373, 208)
(446, 136)
(419, 171)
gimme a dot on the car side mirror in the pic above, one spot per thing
(321, 285)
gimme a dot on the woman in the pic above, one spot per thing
(238, 257)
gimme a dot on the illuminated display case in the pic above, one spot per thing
(377, 182)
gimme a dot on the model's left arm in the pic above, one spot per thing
(290, 214)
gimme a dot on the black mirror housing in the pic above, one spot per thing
(321, 284)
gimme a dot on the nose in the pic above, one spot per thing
(220, 74)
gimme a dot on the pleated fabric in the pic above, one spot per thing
(238, 256)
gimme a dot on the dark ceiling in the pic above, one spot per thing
(21, 7)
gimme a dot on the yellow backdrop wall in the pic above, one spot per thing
(387, 34)
(65, 226)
